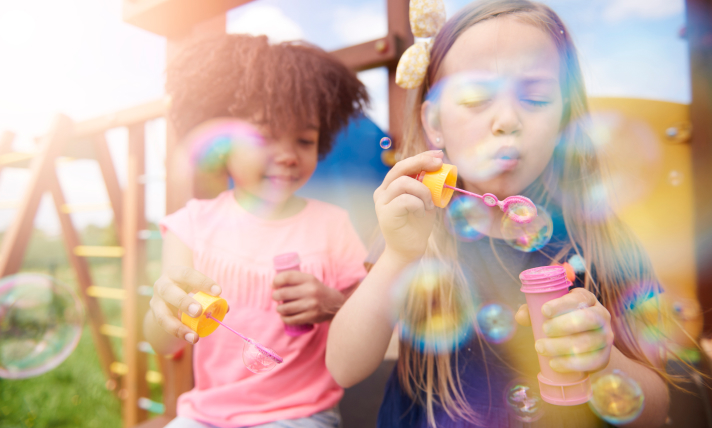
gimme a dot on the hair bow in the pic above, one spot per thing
(427, 17)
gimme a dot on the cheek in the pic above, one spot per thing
(247, 164)
(462, 129)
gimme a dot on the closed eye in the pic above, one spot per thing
(536, 103)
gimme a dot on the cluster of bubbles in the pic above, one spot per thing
(523, 402)
(617, 398)
(530, 236)
(495, 322)
(257, 360)
(429, 319)
(468, 218)
(385, 143)
(41, 322)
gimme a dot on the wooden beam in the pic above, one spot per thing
(399, 26)
(376, 53)
(699, 36)
(171, 18)
(42, 172)
(133, 272)
(127, 117)
(84, 280)
(111, 181)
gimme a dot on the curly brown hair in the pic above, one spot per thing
(286, 85)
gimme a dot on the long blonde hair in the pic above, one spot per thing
(621, 266)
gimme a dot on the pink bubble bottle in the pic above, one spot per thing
(285, 262)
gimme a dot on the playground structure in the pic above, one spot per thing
(182, 21)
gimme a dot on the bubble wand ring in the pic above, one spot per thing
(268, 352)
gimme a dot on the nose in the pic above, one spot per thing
(506, 119)
(285, 152)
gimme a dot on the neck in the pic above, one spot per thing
(268, 210)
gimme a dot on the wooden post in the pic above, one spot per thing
(398, 25)
(699, 36)
(111, 181)
(133, 270)
(81, 268)
(18, 234)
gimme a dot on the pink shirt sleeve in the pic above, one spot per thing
(181, 224)
(349, 255)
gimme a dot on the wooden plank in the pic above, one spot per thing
(6, 139)
(106, 292)
(376, 53)
(171, 18)
(399, 26)
(42, 172)
(84, 280)
(133, 272)
(111, 180)
(127, 117)
(98, 251)
(699, 35)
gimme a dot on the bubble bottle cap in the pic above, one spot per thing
(216, 306)
(436, 180)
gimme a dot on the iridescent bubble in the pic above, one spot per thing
(675, 178)
(577, 263)
(385, 143)
(530, 236)
(212, 142)
(433, 306)
(256, 360)
(41, 322)
(523, 402)
(496, 323)
(617, 398)
(468, 218)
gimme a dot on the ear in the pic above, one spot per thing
(430, 118)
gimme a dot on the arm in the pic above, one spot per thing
(161, 326)
(361, 330)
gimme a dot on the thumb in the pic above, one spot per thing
(522, 316)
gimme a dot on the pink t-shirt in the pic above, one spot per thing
(235, 249)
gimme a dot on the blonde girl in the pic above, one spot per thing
(530, 129)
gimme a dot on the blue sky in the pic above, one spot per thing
(79, 58)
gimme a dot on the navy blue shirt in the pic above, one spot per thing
(486, 369)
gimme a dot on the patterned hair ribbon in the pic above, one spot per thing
(427, 17)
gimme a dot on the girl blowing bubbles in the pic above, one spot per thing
(295, 98)
(509, 87)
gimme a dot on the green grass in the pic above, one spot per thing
(74, 393)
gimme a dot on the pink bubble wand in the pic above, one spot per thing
(519, 208)
(263, 349)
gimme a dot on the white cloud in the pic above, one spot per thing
(617, 10)
(360, 24)
(262, 19)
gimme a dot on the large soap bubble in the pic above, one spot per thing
(617, 398)
(41, 322)
(523, 402)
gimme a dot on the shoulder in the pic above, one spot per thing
(198, 208)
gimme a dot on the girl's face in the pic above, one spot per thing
(498, 116)
(276, 166)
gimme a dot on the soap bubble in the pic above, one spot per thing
(41, 322)
(523, 402)
(212, 142)
(468, 218)
(257, 360)
(496, 323)
(530, 236)
(519, 209)
(617, 398)
(434, 307)
(385, 143)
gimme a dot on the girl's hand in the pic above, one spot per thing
(304, 299)
(405, 207)
(170, 295)
(579, 332)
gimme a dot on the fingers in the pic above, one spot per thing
(522, 316)
(175, 296)
(296, 307)
(165, 318)
(426, 161)
(592, 318)
(408, 186)
(575, 344)
(291, 277)
(588, 362)
(294, 292)
(191, 280)
(578, 298)
(308, 317)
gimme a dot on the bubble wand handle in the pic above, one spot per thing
(250, 341)
(541, 285)
(457, 189)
